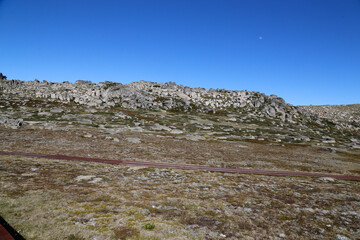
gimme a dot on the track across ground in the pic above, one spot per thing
(184, 166)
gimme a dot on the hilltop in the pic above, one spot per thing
(275, 120)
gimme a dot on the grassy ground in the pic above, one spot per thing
(169, 148)
(45, 199)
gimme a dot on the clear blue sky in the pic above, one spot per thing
(306, 51)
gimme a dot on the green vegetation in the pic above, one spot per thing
(149, 226)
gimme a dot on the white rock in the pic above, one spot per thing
(84, 178)
(231, 119)
(133, 140)
(176, 131)
(326, 179)
(57, 110)
(96, 180)
(194, 137)
(159, 127)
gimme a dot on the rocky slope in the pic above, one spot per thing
(152, 96)
(271, 117)
(347, 116)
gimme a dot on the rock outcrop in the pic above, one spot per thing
(153, 96)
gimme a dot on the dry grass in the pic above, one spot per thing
(42, 199)
(170, 149)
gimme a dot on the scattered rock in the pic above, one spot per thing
(45, 114)
(194, 137)
(176, 131)
(84, 178)
(84, 121)
(282, 235)
(96, 180)
(158, 127)
(56, 110)
(133, 140)
(326, 179)
(341, 237)
(135, 168)
(222, 235)
(11, 123)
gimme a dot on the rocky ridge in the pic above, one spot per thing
(153, 96)
(190, 113)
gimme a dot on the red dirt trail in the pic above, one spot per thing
(184, 166)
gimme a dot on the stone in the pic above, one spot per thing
(159, 127)
(91, 110)
(84, 121)
(176, 131)
(194, 137)
(282, 235)
(84, 178)
(326, 179)
(46, 114)
(56, 110)
(133, 140)
(342, 237)
(96, 180)
(244, 210)
(68, 116)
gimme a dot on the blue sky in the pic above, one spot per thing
(306, 51)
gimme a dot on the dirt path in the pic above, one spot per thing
(183, 166)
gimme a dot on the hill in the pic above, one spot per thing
(169, 123)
